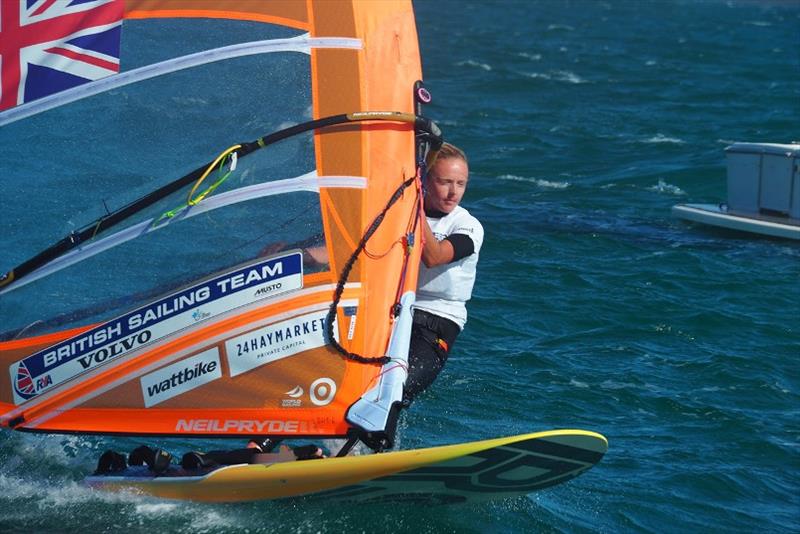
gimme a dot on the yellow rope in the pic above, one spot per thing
(192, 201)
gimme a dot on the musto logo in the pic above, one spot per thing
(178, 378)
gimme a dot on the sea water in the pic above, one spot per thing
(584, 121)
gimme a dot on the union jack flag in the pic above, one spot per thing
(47, 46)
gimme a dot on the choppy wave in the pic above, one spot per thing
(528, 55)
(473, 63)
(561, 27)
(661, 138)
(557, 75)
(545, 184)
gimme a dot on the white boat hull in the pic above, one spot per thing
(716, 215)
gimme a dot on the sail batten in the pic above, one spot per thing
(294, 44)
(309, 182)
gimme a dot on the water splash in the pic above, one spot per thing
(664, 187)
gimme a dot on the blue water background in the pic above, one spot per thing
(594, 308)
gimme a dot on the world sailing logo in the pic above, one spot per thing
(296, 392)
(295, 401)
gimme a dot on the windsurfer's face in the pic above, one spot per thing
(446, 183)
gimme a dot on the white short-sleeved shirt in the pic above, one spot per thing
(444, 290)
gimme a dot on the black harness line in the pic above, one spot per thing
(428, 141)
(337, 295)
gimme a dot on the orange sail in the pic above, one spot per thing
(204, 303)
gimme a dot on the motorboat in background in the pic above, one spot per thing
(763, 192)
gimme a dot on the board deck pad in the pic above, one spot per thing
(505, 471)
(467, 472)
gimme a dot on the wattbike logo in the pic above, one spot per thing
(181, 377)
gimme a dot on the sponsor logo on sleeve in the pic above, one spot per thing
(180, 377)
(276, 341)
(60, 363)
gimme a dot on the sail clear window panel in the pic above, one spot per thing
(68, 166)
(137, 271)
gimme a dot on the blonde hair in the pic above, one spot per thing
(449, 151)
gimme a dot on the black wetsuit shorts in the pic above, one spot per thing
(432, 338)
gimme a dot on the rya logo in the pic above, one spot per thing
(28, 386)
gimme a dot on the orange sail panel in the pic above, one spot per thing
(204, 310)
